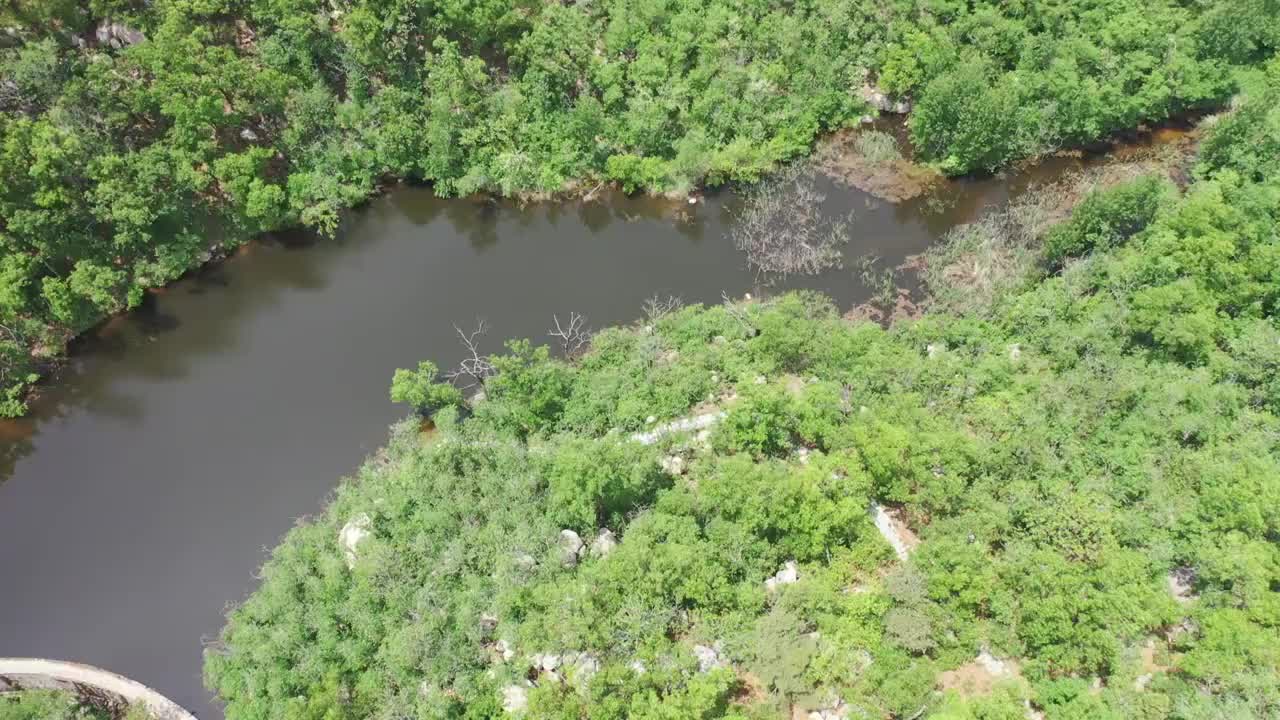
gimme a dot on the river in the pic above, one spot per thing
(184, 439)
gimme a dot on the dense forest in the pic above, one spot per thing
(140, 137)
(1063, 503)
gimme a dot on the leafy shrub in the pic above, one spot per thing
(1106, 218)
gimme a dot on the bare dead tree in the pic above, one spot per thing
(737, 314)
(573, 335)
(475, 368)
(656, 308)
(782, 230)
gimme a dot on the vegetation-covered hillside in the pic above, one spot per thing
(1065, 505)
(136, 135)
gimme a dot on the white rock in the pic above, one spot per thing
(697, 422)
(760, 380)
(882, 102)
(505, 649)
(526, 562)
(546, 661)
(672, 464)
(786, 576)
(515, 698)
(604, 543)
(352, 534)
(708, 658)
(693, 200)
(651, 420)
(637, 667)
(932, 350)
(746, 296)
(117, 35)
(248, 135)
(991, 663)
(571, 547)
(1015, 351)
(884, 524)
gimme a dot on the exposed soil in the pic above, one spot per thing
(979, 677)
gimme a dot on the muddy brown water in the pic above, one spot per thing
(183, 440)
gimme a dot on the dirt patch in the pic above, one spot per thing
(848, 158)
(903, 307)
(750, 690)
(980, 676)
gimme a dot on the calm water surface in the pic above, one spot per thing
(184, 439)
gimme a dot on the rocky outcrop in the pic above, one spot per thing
(117, 35)
(96, 686)
(697, 422)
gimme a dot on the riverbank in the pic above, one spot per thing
(895, 179)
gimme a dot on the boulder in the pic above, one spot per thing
(571, 546)
(882, 101)
(708, 658)
(672, 464)
(604, 543)
(786, 576)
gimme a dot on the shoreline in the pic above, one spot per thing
(894, 124)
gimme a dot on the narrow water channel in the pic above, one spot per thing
(184, 439)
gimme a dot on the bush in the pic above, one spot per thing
(419, 389)
(1106, 218)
